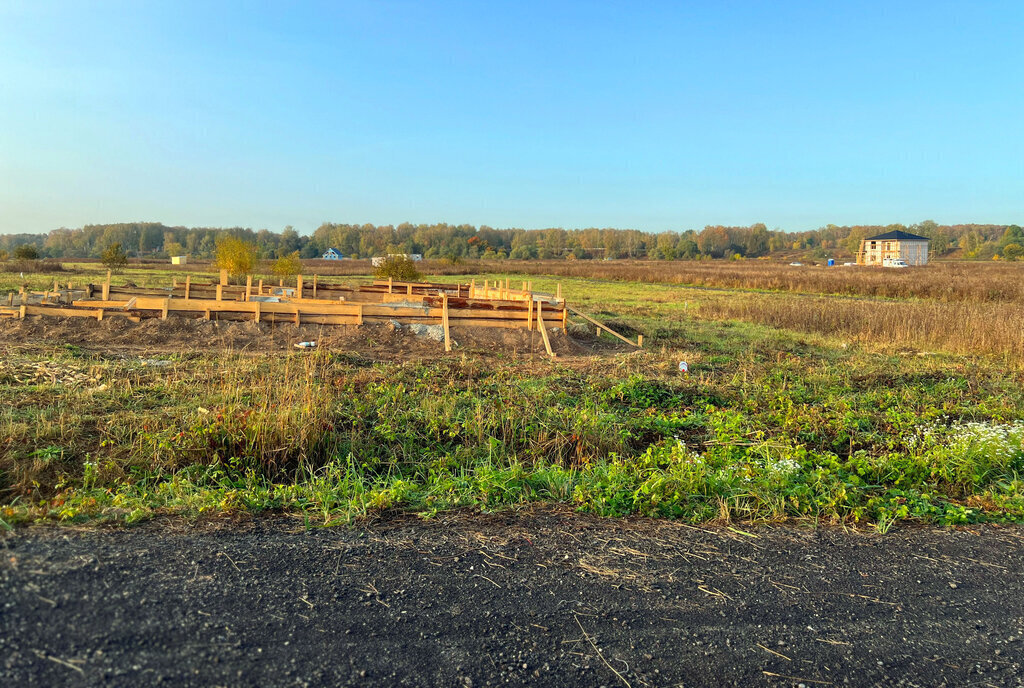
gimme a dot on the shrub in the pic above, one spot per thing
(289, 265)
(236, 256)
(114, 257)
(398, 268)
(26, 252)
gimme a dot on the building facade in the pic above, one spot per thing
(332, 254)
(885, 249)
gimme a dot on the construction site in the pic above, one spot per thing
(429, 309)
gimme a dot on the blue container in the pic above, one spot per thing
(831, 262)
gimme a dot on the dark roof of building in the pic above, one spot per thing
(897, 235)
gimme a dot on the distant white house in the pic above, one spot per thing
(179, 260)
(379, 260)
(332, 254)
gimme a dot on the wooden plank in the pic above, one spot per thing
(444, 321)
(603, 327)
(543, 330)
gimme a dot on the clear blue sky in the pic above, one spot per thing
(653, 115)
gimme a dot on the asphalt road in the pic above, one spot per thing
(540, 597)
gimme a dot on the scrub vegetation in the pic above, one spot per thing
(820, 418)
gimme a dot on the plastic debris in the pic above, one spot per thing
(684, 367)
(305, 345)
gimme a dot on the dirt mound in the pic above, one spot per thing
(184, 334)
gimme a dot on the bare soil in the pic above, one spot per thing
(186, 334)
(536, 597)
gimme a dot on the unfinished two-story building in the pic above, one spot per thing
(889, 248)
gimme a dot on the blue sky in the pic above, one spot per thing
(531, 114)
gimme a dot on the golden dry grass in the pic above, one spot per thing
(995, 328)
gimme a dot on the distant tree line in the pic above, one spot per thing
(155, 240)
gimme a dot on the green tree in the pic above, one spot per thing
(114, 257)
(26, 252)
(1013, 251)
(398, 268)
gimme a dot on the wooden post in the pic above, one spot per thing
(224, 278)
(256, 311)
(640, 341)
(99, 314)
(298, 287)
(259, 289)
(174, 283)
(248, 287)
(220, 291)
(565, 320)
(106, 287)
(188, 286)
(558, 291)
(10, 299)
(408, 290)
(529, 314)
(472, 289)
(389, 285)
(314, 285)
(206, 314)
(543, 329)
(22, 311)
(298, 317)
(359, 314)
(444, 322)
(167, 307)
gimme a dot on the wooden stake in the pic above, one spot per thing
(390, 290)
(106, 287)
(188, 286)
(472, 289)
(298, 317)
(640, 341)
(444, 321)
(359, 315)
(558, 291)
(163, 313)
(601, 327)
(259, 289)
(529, 314)
(220, 291)
(256, 312)
(314, 285)
(248, 287)
(408, 290)
(224, 278)
(298, 287)
(543, 330)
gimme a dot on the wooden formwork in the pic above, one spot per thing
(313, 302)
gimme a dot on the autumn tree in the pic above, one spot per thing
(288, 266)
(236, 256)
